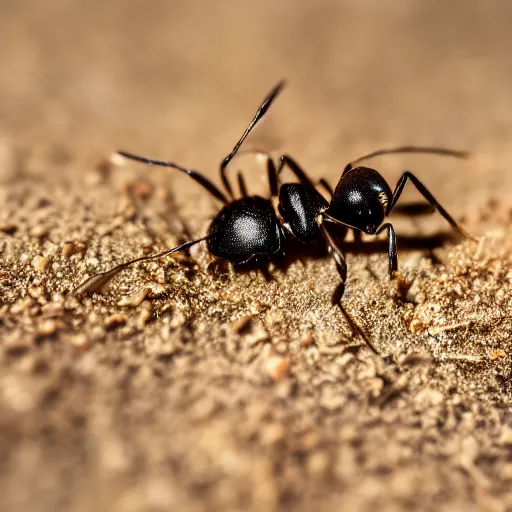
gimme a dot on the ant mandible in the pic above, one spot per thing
(250, 226)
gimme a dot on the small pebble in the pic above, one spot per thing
(52, 309)
(307, 340)
(160, 276)
(97, 333)
(416, 326)
(103, 167)
(8, 228)
(278, 368)
(428, 398)
(506, 471)
(143, 319)
(39, 231)
(178, 319)
(310, 440)
(318, 464)
(115, 320)
(257, 337)
(506, 436)
(40, 263)
(93, 262)
(36, 292)
(80, 341)
(139, 188)
(272, 434)
(497, 354)
(242, 324)
(22, 305)
(135, 300)
(47, 328)
(70, 248)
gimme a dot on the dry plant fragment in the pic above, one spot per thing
(433, 331)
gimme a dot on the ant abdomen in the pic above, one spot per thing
(245, 228)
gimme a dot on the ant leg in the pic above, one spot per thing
(195, 175)
(273, 180)
(241, 185)
(259, 114)
(408, 149)
(301, 174)
(295, 168)
(393, 260)
(271, 168)
(414, 209)
(98, 281)
(327, 187)
(339, 259)
(428, 196)
(357, 329)
(341, 265)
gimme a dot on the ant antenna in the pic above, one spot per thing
(259, 114)
(409, 149)
(98, 281)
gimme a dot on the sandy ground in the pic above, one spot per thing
(187, 386)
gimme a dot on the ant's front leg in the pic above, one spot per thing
(341, 265)
(428, 196)
(392, 253)
(339, 259)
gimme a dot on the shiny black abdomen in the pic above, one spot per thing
(300, 205)
(361, 199)
(245, 228)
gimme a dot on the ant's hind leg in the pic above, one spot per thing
(241, 185)
(301, 175)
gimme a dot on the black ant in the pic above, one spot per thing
(251, 226)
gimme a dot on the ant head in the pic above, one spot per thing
(245, 228)
(361, 199)
(300, 205)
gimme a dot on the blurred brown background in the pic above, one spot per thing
(180, 80)
(183, 77)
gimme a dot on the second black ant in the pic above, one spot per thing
(251, 226)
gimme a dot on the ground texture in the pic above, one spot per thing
(189, 386)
